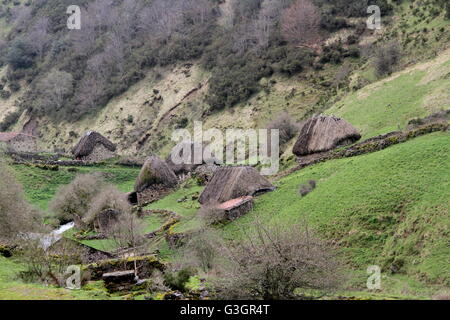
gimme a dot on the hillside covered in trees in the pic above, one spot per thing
(234, 51)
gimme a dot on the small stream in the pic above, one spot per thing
(47, 240)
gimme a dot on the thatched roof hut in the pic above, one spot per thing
(89, 142)
(323, 133)
(230, 183)
(236, 208)
(155, 172)
(190, 165)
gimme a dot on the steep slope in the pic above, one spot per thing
(389, 104)
(142, 119)
(396, 217)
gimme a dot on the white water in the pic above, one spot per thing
(48, 240)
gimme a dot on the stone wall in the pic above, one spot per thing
(99, 154)
(23, 143)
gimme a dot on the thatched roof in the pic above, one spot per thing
(190, 165)
(323, 133)
(155, 172)
(230, 183)
(88, 142)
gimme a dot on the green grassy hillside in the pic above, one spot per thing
(11, 288)
(41, 185)
(389, 104)
(388, 208)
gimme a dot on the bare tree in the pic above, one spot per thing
(54, 88)
(197, 11)
(161, 18)
(342, 74)
(39, 37)
(108, 199)
(127, 234)
(16, 215)
(386, 58)
(270, 263)
(301, 24)
(127, 22)
(48, 265)
(96, 20)
(267, 20)
(21, 16)
(286, 125)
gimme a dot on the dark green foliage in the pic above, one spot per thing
(10, 119)
(5, 94)
(445, 5)
(14, 86)
(20, 55)
(332, 54)
(177, 280)
(295, 61)
(236, 81)
(332, 24)
(352, 8)
(182, 123)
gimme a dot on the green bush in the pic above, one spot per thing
(177, 280)
(20, 55)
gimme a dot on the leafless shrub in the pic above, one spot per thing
(39, 37)
(54, 89)
(301, 24)
(211, 215)
(127, 232)
(72, 201)
(286, 125)
(48, 265)
(278, 262)
(200, 251)
(109, 198)
(16, 215)
(341, 75)
(386, 58)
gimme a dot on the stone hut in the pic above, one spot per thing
(323, 133)
(155, 180)
(236, 208)
(19, 142)
(230, 183)
(94, 147)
